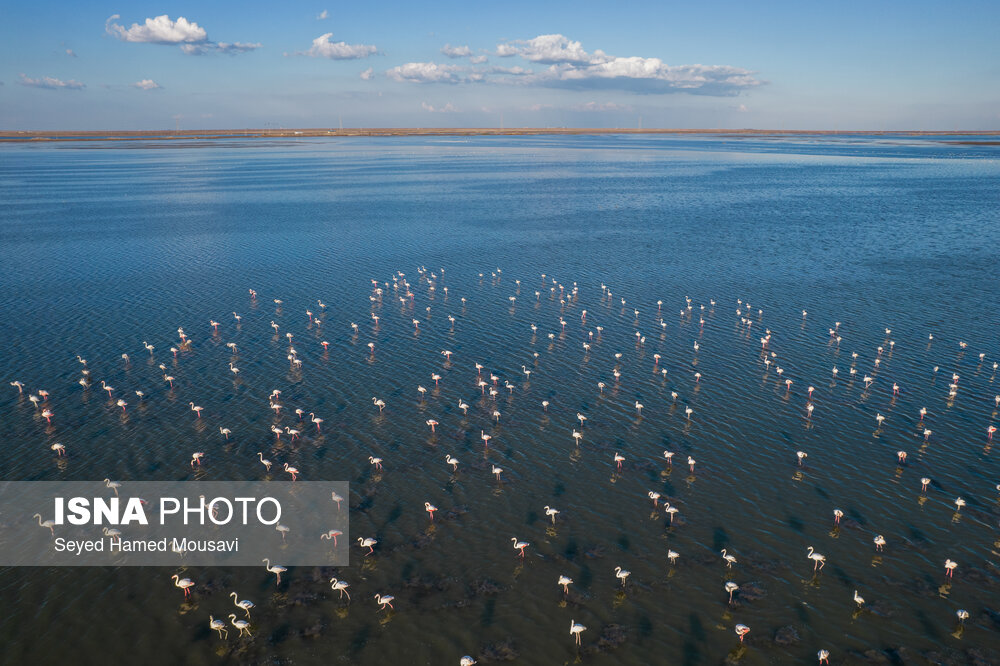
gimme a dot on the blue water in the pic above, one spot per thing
(105, 245)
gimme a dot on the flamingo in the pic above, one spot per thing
(196, 409)
(430, 509)
(742, 630)
(184, 583)
(824, 656)
(341, 585)
(729, 559)
(114, 485)
(619, 459)
(336, 498)
(672, 555)
(879, 542)
(858, 599)
(819, 561)
(497, 471)
(385, 599)
(551, 513)
(267, 463)
(242, 625)
(59, 449)
(519, 545)
(565, 581)
(48, 523)
(731, 587)
(196, 458)
(225, 432)
(245, 604)
(452, 461)
(276, 569)
(332, 534)
(924, 482)
(219, 626)
(622, 574)
(375, 461)
(368, 543)
(949, 567)
(575, 629)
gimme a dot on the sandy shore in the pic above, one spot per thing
(111, 135)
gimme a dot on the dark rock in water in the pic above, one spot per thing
(612, 636)
(993, 616)
(455, 512)
(422, 540)
(977, 576)
(484, 587)
(945, 658)
(501, 651)
(787, 635)
(427, 584)
(313, 631)
(983, 656)
(751, 591)
(881, 609)
(874, 657)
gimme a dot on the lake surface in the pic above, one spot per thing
(107, 245)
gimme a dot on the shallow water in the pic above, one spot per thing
(105, 246)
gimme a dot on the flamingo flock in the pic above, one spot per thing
(488, 394)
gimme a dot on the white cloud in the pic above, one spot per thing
(549, 49)
(425, 72)
(71, 53)
(322, 47)
(742, 108)
(602, 106)
(368, 74)
(478, 60)
(447, 108)
(650, 75)
(192, 38)
(323, 15)
(159, 30)
(146, 84)
(50, 82)
(456, 51)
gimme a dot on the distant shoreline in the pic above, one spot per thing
(139, 135)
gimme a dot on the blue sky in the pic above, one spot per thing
(845, 65)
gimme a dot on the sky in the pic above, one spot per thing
(920, 65)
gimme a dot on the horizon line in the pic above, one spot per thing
(311, 132)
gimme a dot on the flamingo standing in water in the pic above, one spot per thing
(519, 545)
(48, 523)
(267, 463)
(368, 543)
(332, 534)
(293, 471)
(575, 629)
(242, 625)
(430, 508)
(196, 409)
(819, 561)
(245, 604)
(565, 581)
(742, 630)
(276, 569)
(452, 461)
(731, 587)
(219, 626)
(385, 599)
(184, 583)
(729, 559)
(622, 574)
(341, 585)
